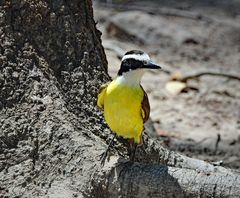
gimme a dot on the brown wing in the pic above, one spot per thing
(145, 107)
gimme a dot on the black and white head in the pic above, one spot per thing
(136, 61)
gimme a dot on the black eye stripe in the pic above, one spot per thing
(132, 61)
(130, 64)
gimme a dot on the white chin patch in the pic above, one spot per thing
(132, 78)
(140, 57)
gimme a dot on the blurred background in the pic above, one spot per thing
(195, 99)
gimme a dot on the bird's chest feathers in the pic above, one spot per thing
(122, 107)
(125, 94)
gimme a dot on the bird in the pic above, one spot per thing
(124, 101)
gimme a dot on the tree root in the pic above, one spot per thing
(141, 180)
(154, 152)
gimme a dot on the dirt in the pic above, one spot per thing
(203, 120)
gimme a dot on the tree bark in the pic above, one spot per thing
(51, 132)
(148, 180)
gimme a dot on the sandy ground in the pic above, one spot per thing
(203, 120)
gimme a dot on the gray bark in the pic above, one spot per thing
(147, 180)
(51, 132)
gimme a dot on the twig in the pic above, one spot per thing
(217, 142)
(197, 75)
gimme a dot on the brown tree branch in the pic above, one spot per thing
(210, 73)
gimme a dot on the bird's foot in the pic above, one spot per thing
(103, 157)
(132, 150)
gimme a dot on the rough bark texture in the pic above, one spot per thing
(52, 63)
(142, 180)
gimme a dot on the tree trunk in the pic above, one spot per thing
(51, 135)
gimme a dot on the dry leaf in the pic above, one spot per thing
(175, 87)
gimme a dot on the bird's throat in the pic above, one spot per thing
(131, 78)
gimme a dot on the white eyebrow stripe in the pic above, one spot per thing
(140, 57)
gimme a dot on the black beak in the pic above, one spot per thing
(151, 65)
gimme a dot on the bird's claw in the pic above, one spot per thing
(103, 157)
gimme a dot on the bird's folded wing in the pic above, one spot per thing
(145, 107)
(101, 94)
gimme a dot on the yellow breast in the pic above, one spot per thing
(122, 109)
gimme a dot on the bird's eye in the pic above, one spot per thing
(126, 63)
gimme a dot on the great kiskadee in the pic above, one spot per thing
(124, 101)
